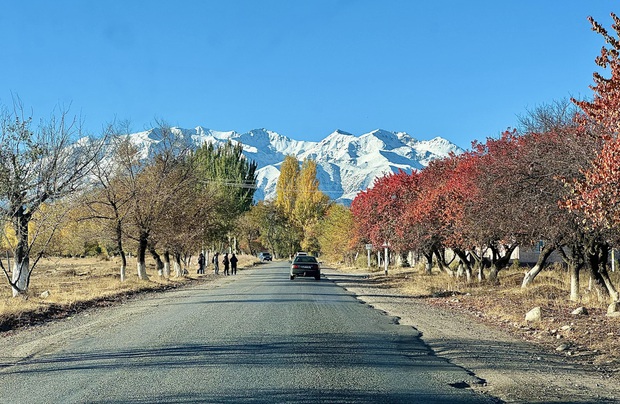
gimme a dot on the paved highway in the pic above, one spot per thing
(257, 337)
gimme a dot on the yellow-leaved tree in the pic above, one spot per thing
(310, 205)
(286, 187)
(337, 237)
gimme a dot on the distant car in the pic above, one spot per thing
(264, 256)
(301, 253)
(305, 265)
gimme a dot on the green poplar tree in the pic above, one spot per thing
(228, 174)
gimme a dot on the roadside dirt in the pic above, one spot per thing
(509, 364)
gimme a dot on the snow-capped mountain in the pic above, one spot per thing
(346, 164)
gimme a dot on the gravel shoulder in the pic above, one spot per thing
(513, 370)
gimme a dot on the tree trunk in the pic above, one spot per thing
(464, 262)
(167, 264)
(20, 277)
(467, 269)
(441, 262)
(119, 244)
(476, 263)
(575, 262)
(500, 261)
(541, 263)
(158, 262)
(178, 272)
(428, 267)
(141, 258)
(598, 255)
(573, 270)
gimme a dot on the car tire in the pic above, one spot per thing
(292, 277)
(318, 277)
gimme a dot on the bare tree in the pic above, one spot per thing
(154, 182)
(37, 166)
(110, 199)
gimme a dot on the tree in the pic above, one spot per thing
(180, 231)
(228, 176)
(379, 212)
(276, 231)
(337, 238)
(154, 183)
(38, 165)
(74, 236)
(427, 215)
(286, 187)
(596, 195)
(110, 199)
(298, 197)
(554, 147)
(310, 205)
(249, 232)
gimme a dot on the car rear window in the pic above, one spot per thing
(305, 258)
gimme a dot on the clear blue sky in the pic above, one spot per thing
(462, 70)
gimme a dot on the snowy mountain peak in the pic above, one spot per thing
(339, 132)
(346, 164)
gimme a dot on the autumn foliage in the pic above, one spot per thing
(597, 194)
(552, 183)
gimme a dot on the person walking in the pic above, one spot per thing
(225, 262)
(216, 263)
(201, 263)
(233, 264)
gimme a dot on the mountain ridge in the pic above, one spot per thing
(346, 163)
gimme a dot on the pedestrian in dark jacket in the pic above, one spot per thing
(216, 263)
(225, 262)
(201, 263)
(233, 264)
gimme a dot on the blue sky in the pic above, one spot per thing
(462, 70)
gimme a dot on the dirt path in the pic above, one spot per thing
(514, 371)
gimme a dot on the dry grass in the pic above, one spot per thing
(592, 337)
(74, 283)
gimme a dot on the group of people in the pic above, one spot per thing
(230, 264)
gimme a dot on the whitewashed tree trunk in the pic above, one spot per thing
(141, 256)
(21, 270)
(123, 273)
(177, 269)
(540, 265)
(613, 293)
(166, 269)
(530, 275)
(142, 271)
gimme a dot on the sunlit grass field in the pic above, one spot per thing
(65, 284)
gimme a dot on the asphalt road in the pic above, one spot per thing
(257, 337)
